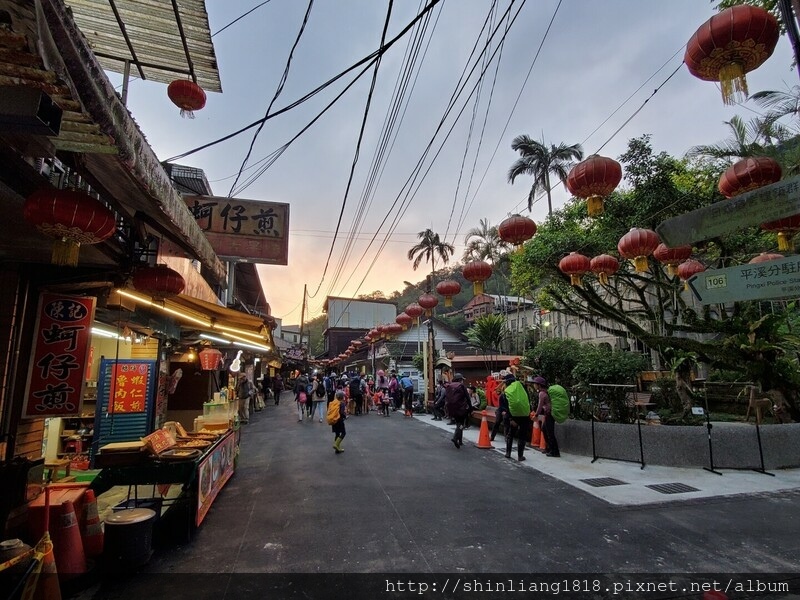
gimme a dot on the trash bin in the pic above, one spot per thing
(128, 539)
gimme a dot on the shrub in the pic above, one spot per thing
(555, 359)
(665, 395)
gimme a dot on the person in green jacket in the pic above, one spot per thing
(519, 409)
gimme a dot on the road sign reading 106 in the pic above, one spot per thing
(762, 281)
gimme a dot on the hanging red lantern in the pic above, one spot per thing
(393, 329)
(574, 265)
(515, 230)
(210, 359)
(356, 343)
(428, 302)
(786, 229)
(730, 44)
(186, 95)
(448, 288)
(72, 217)
(477, 272)
(637, 245)
(671, 257)
(158, 281)
(404, 320)
(749, 174)
(765, 257)
(374, 334)
(594, 179)
(414, 311)
(689, 268)
(603, 266)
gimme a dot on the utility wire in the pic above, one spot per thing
(240, 17)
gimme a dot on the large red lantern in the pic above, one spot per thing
(603, 266)
(428, 302)
(574, 265)
(515, 230)
(356, 344)
(764, 257)
(186, 95)
(72, 217)
(477, 272)
(786, 228)
(637, 245)
(373, 334)
(210, 359)
(749, 174)
(158, 281)
(394, 329)
(404, 320)
(594, 179)
(689, 268)
(730, 44)
(414, 311)
(448, 288)
(671, 257)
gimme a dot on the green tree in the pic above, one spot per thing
(487, 334)
(428, 249)
(484, 243)
(539, 161)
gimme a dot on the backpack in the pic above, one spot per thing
(320, 390)
(355, 388)
(559, 403)
(301, 397)
(328, 383)
(309, 389)
(333, 415)
(518, 403)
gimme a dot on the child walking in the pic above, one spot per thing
(337, 413)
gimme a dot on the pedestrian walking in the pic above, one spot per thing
(301, 395)
(519, 407)
(336, 417)
(277, 387)
(244, 391)
(319, 399)
(356, 387)
(457, 403)
(545, 409)
(439, 402)
(407, 387)
(395, 393)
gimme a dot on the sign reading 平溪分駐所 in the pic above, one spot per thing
(762, 281)
(252, 230)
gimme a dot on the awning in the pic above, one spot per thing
(231, 326)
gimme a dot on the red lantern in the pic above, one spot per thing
(159, 281)
(393, 329)
(477, 272)
(764, 257)
(404, 320)
(210, 359)
(594, 179)
(671, 257)
(374, 334)
(186, 95)
(414, 311)
(730, 44)
(603, 266)
(637, 245)
(448, 288)
(356, 344)
(515, 230)
(574, 265)
(428, 302)
(749, 174)
(786, 229)
(689, 268)
(72, 217)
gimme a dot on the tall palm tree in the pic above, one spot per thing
(487, 334)
(428, 248)
(484, 243)
(746, 139)
(539, 161)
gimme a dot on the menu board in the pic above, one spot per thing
(213, 472)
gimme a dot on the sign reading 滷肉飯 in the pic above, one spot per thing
(252, 230)
(762, 281)
(765, 204)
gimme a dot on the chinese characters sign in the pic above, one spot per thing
(762, 281)
(253, 230)
(158, 441)
(59, 357)
(128, 388)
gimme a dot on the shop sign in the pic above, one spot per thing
(56, 380)
(158, 441)
(214, 470)
(251, 230)
(128, 389)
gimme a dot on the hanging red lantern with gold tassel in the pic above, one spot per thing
(448, 288)
(749, 174)
(476, 272)
(671, 257)
(516, 230)
(574, 265)
(637, 245)
(594, 179)
(186, 95)
(158, 281)
(603, 266)
(688, 269)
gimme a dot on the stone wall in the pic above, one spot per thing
(735, 445)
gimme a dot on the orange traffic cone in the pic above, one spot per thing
(536, 435)
(542, 441)
(92, 530)
(44, 585)
(67, 545)
(484, 441)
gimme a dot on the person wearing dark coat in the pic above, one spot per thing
(457, 402)
(501, 416)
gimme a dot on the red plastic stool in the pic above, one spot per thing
(73, 447)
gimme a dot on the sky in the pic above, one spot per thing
(580, 81)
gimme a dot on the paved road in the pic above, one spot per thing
(403, 500)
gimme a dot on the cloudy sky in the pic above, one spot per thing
(598, 64)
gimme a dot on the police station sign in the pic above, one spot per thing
(762, 281)
(249, 230)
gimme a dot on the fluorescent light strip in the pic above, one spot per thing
(105, 333)
(245, 344)
(205, 336)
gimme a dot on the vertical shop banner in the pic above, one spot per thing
(128, 390)
(59, 357)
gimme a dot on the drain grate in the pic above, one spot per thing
(672, 488)
(603, 482)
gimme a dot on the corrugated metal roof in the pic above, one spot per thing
(163, 40)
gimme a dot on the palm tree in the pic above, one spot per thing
(746, 139)
(484, 243)
(539, 161)
(428, 248)
(487, 334)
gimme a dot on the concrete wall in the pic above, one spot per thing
(734, 444)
